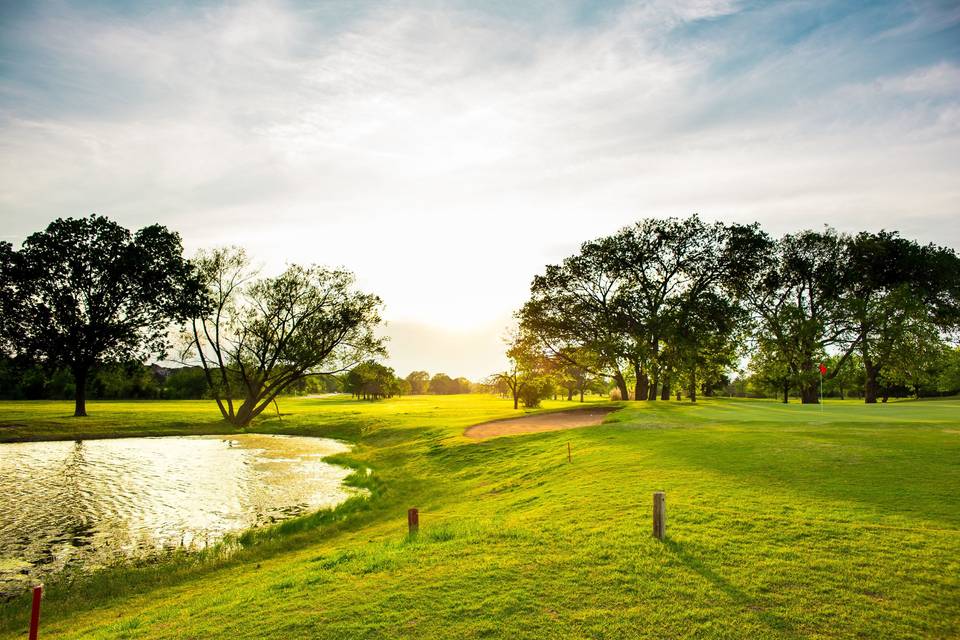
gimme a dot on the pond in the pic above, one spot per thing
(88, 503)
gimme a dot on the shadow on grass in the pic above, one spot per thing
(738, 596)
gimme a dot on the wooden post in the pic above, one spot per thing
(413, 521)
(659, 515)
(569, 459)
(35, 612)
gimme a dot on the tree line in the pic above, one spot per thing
(665, 306)
(372, 380)
(671, 306)
(23, 379)
(86, 294)
(86, 302)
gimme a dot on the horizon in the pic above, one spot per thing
(446, 154)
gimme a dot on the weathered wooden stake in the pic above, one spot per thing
(659, 514)
(569, 459)
(413, 521)
(35, 613)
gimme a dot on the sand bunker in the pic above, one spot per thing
(584, 417)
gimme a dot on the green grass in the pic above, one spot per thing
(783, 521)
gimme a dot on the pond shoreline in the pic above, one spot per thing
(76, 589)
(229, 547)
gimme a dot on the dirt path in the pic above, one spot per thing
(585, 417)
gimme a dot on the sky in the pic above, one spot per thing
(446, 151)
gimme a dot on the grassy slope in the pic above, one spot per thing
(782, 522)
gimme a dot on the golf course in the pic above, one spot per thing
(829, 521)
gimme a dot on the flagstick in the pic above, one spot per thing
(821, 391)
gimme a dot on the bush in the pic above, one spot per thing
(535, 391)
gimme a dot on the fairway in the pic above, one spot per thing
(782, 521)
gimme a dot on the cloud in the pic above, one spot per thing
(446, 153)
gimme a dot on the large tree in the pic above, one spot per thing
(371, 380)
(638, 299)
(442, 384)
(7, 295)
(706, 339)
(419, 382)
(87, 291)
(574, 311)
(259, 335)
(901, 296)
(796, 298)
(677, 279)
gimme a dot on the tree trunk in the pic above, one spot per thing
(621, 386)
(654, 383)
(569, 395)
(581, 395)
(786, 392)
(516, 400)
(810, 394)
(80, 392)
(871, 388)
(245, 413)
(665, 389)
(693, 382)
(642, 383)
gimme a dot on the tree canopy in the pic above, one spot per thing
(259, 335)
(87, 291)
(668, 302)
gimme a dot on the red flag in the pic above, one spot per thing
(823, 369)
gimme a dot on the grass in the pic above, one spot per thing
(783, 521)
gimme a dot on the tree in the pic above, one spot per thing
(637, 298)
(442, 384)
(665, 265)
(525, 375)
(849, 380)
(258, 336)
(898, 291)
(795, 297)
(573, 312)
(573, 377)
(948, 374)
(706, 340)
(87, 291)
(419, 382)
(915, 361)
(371, 380)
(769, 371)
(185, 383)
(7, 296)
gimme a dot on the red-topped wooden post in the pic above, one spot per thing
(413, 521)
(35, 612)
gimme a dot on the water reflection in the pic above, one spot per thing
(92, 502)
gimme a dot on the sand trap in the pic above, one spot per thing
(585, 417)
